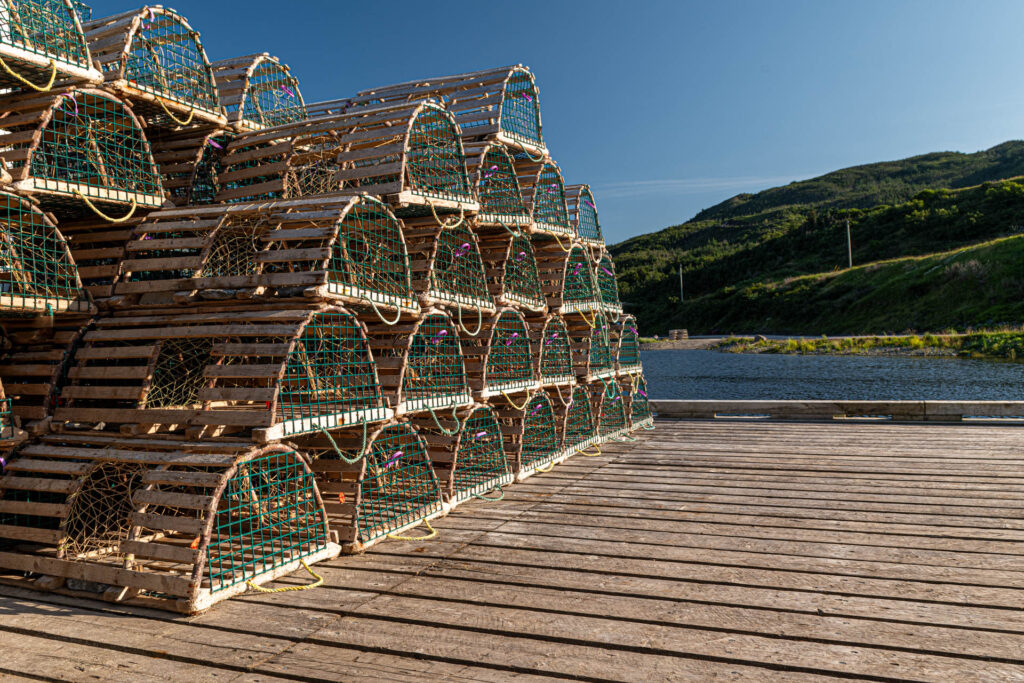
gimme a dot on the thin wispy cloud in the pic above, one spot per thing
(634, 188)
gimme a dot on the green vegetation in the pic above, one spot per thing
(750, 249)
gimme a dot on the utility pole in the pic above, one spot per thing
(681, 283)
(849, 243)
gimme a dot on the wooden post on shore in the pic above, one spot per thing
(849, 244)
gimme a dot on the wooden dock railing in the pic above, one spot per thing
(897, 411)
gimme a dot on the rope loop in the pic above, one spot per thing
(591, 455)
(531, 158)
(341, 454)
(191, 113)
(558, 240)
(591, 323)
(104, 216)
(648, 428)
(513, 403)
(515, 233)
(455, 416)
(389, 323)
(426, 523)
(22, 79)
(444, 223)
(316, 584)
(542, 470)
(501, 495)
(479, 321)
(558, 390)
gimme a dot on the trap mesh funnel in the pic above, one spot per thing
(471, 462)
(499, 360)
(420, 363)
(627, 347)
(591, 347)
(263, 374)
(510, 265)
(529, 431)
(80, 147)
(492, 172)
(38, 276)
(610, 409)
(153, 58)
(608, 288)
(449, 271)
(175, 525)
(41, 41)
(497, 104)
(258, 91)
(567, 280)
(34, 365)
(552, 351)
(583, 216)
(544, 193)
(579, 425)
(190, 163)
(342, 250)
(640, 415)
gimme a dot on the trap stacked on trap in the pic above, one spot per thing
(530, 432)
(609, 407)
(190, 163)
(544, 193)
(153, 58)
(640, 415)
(626, 338)
(583, 216)
(608, 288)
(41, 42)
(176, 524)
(499, 359)
(553, 354)
(510, 265)
(492, 171)
(577, 420)
(258, 91)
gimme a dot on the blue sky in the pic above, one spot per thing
(666, 108)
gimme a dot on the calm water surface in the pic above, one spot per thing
(723, 376)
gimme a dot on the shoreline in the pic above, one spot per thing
(995, 345)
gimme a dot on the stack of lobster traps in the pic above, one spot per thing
(243, 333)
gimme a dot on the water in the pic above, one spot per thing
(674, 374)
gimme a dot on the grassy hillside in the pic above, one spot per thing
(722, 248)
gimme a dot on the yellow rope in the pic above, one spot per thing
(509, 399)
(319, 582)
(191, 113)
(444, 223)
(560, 245)
(432, 534)
(591, 324)
(591, 455)
(104, 216)
(20, 78)
(545, 471)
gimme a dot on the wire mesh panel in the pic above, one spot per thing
(493, 173)
(583, 215)
(608, 288)
(268, 516)
(612, 412)
(42, 41)
(451, 268)
(435, 373)
(627, 350)
(593, 357)
(579, 289)
(540, 441)
(435, 165)
(155, 59)
(258, 91)
(190, 164)
(554, 352)
(399, 487)
(640, 414)
(510, 265)
(544, 193)
(579, 430)
(79, 148)
(500, 357)
(83, 10)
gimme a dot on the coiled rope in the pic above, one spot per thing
(316, 584)
(426, 523)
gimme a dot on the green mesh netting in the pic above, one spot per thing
(6, 421)
(480, 463)
(458, 275)
(587, 226)
(166, 58)
(579, 291)
(204, 185)
(549, 207)
(520, 109)
(606, 284)
(601, 357)
(628, 351)
(36, 270)
(498, 188)
(267, 516)
(435, 374)
(329, 379)
(555, 356)
(83, 10)
(580, 428)
(272, 97)
(369, 259)
(399, 486)
(522, 281)
(639, 404)
(613, 413)
(540, 443)
(435, 163)
(43, 27)
(509, 357)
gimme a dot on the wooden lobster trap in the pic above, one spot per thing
(154, 59)
(374, 485)
(627, 346)
(261, 373)
(583, 216)
(609, 406)
(577, 421)
(38, 275)
(409, 154)
(347, 250)
(469, 461)
(170, 524)
(567, 280)
(639, 405)
(607, 287)
(499, 359)
(78, 150)
(421, 365)
(552, 351)
(41, 42)
(97, 247)
(510, 265)
(258, 91)
(190, 163)
(500, 104)
(530, 433)
(544, 193)
(593, 357)
(492, 170)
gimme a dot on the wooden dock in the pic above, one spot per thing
(710, 549)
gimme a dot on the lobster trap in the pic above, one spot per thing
(609, 405)
(34, 365)
(511, 268)
(492, 171)
(499, 359)
(529, 431)
(409, 154)
(627, 347)
(153, 58)
(544, 193)
(567, 280)
(375, 485)
(347, 250)
(258, 91)
(41, 41)
(593, 357)
(190, 163)
(169, 524)
(471, 461)
(265, 374)
(552, 351)
(577, 421)
(38, 276)
(97, 248)
(608, 288)
(500, 104)
(421, 365)
(640, 414)
(583, 216)
(78, 150)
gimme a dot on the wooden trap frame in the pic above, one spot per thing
(577, 421)
(421, 365)
(470, 462)
(78, 150)
(41, 42)
(544, 193)
(499, 359)
(374, 485)
(492, 170)
(609, 406)
(626, 338)
(97, 247)
(190, 163)
(347, 250)
(264, 373)
(552, 351)
(258, 91)
(410, 154)
(638, 404)
(500, 104)
(169, 524)
(154, 59)
(583, 216)
(567, 280)
(38, 275)
(510, 265)
(593, 357)
(530, 433)
(607, 287)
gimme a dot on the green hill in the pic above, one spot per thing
(896, 209)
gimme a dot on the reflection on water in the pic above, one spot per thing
(725, 376)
